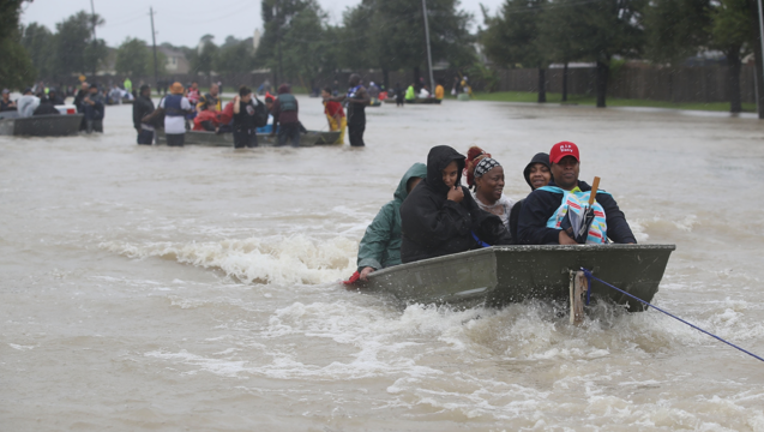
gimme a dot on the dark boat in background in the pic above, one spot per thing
(50, 125)
(212, 139)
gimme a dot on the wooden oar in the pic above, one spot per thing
(593, 195)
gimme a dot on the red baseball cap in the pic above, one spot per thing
(562, 149)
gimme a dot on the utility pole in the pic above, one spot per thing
(154, 42)
(760, 19)
(427, 38)
(95, 41)
(280, 72)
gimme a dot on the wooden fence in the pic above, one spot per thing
(687, 84)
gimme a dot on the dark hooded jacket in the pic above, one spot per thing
(541, 205)
(142, 106)
(433, 225)
(381, 244)
(514, 215)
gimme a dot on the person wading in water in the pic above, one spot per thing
(357, 99)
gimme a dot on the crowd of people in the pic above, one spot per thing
(434, 214)
(246, 116)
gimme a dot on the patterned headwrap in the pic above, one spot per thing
(486, 164)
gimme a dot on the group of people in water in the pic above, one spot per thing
(245, 116)
(433, 214)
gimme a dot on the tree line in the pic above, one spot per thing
(300, 44)
(536, 33)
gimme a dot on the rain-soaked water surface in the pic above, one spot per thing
(151, 288)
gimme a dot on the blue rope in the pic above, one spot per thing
(590, 276)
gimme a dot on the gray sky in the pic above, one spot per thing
(183, 22)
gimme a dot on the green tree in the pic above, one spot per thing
(75, 50)
(603, 29)
(235, 56)
(39, 42)
(307, 49)
(16, 69)
(134, 58)
(277, 16)
(513, 38)
(731, 33)
(205, 58)
(392, 34)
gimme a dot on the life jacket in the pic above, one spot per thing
(352, 91)
(577, 202)
(226, 117)
(172, 106)
(287, 102)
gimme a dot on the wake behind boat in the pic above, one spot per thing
(498, 276)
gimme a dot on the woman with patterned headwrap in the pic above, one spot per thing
(485, 178)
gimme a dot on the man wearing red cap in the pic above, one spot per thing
(545, 209)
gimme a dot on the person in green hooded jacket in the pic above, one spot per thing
(381, 244)
(410, 93)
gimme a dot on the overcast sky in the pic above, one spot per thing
(183, 22)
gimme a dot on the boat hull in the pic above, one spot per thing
(42, 126)
(211, 139)
(498, 276)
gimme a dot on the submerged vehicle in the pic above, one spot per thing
(309, 139)
(49, 125)
(500, 275)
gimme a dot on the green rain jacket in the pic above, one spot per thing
(410, 93)
(381, 244)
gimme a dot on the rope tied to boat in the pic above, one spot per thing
(590, 277)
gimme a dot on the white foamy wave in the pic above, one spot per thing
(277, 260)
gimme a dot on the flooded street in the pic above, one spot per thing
(156, 288)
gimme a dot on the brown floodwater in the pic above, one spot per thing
(155, 288)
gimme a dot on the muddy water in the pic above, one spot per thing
(195, 289)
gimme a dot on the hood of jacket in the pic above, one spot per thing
(541, 158)
(417, 170)
(437, 160)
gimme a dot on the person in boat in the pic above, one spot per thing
(335, 115)
(53, 97)
(380, 246)
(208, 119)
(6, 104)
(537, 174)
(440, 92)
(176, 107)
(93, 107)
(128, 86)
(424, 93)
(545, 208)
(373, 91)
(244, 119)
(142, 107)
(357, 99)
(410, 93)
(485, 178)
(440, 217)
(212, 96)
(285, 117)
(46, 107)
(27, 103)
(193, 93)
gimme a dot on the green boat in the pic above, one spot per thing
(418, 101)
(501, 275)
(213, 139)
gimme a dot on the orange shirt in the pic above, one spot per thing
(439, 92)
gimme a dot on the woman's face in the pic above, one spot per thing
(490, 185)
(539, 175)
(450, 173)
